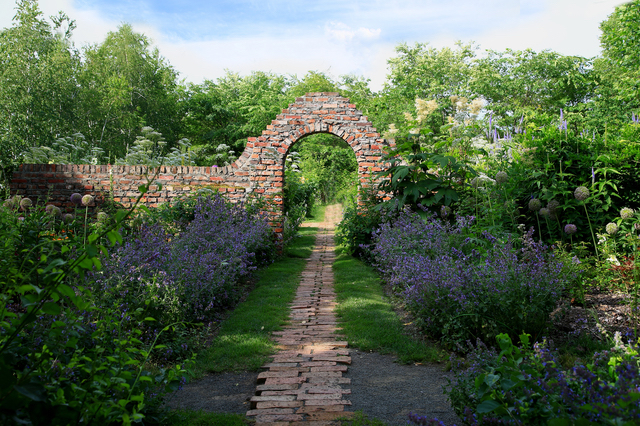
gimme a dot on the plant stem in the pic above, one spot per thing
(593, 237)
(539, 230)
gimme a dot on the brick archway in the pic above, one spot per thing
(258, 172)
(264, 156)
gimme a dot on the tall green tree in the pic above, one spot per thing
(229, 110)
(37, 81)
(427, 73)
(618, 95)
(126, 85)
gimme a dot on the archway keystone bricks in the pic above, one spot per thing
(258, 172)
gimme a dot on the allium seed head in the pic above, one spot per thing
(9, 204)
(25, 203)
(102, 217)
(501, 177)
(87, 200)
(544, 212)
(67, 218)
(535, 205)
(570, 229)
(611, 228)
(626, 213)
(553, 205)
(581, 193)
(76, 198)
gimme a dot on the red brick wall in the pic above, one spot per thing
(258, 172)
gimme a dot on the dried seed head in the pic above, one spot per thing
(534, 205)
(25, 203)
(611, 228)
(501, 177)
(87, 200)
(553, 205)
(581, 193)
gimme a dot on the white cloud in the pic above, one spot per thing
(343, 32)
(354, 37)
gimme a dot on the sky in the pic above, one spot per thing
(202, 39)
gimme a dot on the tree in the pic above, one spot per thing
(619, 92)
(37, 82)
(532, 84)
(229, 110)
(427, 73)
(126, 85)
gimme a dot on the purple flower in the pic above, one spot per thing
(76, 198)
(570, 228)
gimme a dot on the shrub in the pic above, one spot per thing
(464, 286)
(189, 276)
(525, 386)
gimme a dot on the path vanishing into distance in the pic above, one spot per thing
(304, 383)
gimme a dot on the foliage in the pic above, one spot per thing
(533, 85)
(360, 219)
(521, 385)
(328, 163)
(368, 318)
(64, 360)
(37, 70)
(427, 73)
(619, 65)
(463, 285)
(188, 276)
(125, 86)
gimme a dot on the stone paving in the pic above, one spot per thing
(304, 384)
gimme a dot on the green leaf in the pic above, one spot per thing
(487, 406)
(51, 308)
(32, 391)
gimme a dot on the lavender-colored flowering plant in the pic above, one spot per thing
(464, 286)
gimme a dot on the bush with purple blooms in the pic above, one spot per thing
(521, 385)
(463, 286)
(191, 275)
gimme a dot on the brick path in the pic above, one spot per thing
(304, 384)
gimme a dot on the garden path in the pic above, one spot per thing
(304, 383)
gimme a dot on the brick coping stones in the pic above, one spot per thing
(304, 382)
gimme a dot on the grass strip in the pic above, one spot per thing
(243, 342)
(367, 317)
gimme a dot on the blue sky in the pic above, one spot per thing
(202, 39)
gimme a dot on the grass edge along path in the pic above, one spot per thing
(367, 317)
